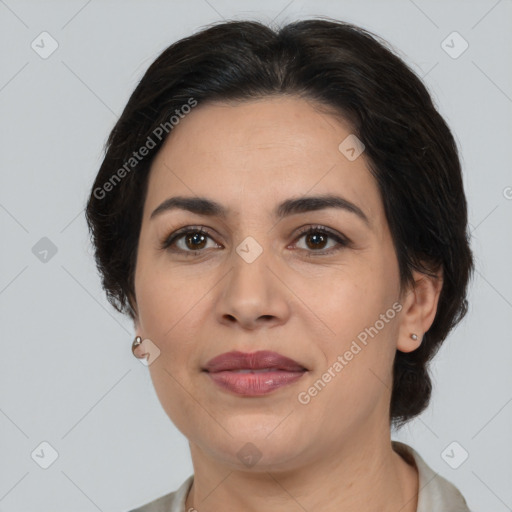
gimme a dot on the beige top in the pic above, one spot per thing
(436, 494)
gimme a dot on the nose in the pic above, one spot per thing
(253, 295)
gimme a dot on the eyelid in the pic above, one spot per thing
(177, 234)
(318, 227)
(340, 239)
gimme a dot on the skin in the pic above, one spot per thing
(333, 453)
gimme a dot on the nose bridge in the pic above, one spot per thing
(251, 276)
(252, 289)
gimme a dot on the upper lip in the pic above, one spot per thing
(262, 359)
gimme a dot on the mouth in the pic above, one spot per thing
(263, 360)
(253, 374)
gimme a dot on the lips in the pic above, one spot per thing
(262, 360)
(251, 375)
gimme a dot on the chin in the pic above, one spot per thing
(257, 449)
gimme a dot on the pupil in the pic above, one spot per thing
(316, 236)
(196, 237)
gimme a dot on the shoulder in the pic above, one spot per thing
(435, 492)
(172, 502)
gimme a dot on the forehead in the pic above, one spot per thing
(259, 153)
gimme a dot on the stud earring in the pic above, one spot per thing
(414, 336)
(136, 342)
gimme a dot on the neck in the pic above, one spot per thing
(367, 475)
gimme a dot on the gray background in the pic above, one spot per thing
(70, 378)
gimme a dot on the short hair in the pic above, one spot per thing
(355, 75)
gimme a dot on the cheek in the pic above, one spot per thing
(358, 304)
(346, 298)
(162, 296)
(169, 314)
(172, 313)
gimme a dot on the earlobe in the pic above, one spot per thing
(408, 342)
(419, 311)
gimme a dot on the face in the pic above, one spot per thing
(317, 285)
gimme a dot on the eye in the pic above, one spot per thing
(316, 238)
(191, 240)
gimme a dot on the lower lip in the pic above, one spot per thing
(254, 384)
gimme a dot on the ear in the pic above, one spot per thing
(419, 309)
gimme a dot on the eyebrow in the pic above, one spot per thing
(207, 207)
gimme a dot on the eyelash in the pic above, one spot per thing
(174, 237)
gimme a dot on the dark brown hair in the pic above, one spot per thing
(351, 72)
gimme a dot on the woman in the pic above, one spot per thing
(292, 255)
